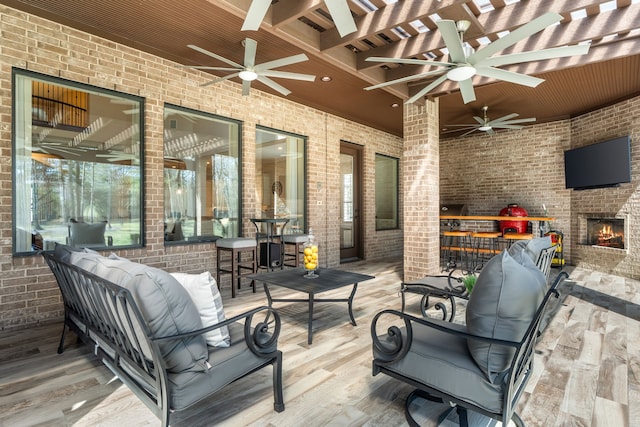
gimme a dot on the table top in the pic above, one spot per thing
(328, 279)
(269, 220)
(497, 218)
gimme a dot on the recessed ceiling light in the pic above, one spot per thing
(395, 105)
(326, 78)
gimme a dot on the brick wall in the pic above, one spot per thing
(28, 294)
(526, 166)
(618, 120)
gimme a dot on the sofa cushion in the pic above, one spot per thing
(205, 295)
(531, 248)
(503, 303)
(164, 304)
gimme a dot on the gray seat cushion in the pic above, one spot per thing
(443, 361)
(227, 365)
(503, 303)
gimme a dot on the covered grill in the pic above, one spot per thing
(514, 226)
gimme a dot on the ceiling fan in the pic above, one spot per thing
(486, 125)
(250, 71)
(339, 10)
(464, 62)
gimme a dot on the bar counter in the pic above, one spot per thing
(496, 218)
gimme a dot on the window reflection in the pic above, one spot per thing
(77, 165)
(386, 192)
(281, 177)
(201, 176)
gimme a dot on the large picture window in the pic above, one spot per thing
(77, 165)
(281, 177)
(386, 192)
(201, 176)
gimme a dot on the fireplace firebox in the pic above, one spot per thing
(606, 232)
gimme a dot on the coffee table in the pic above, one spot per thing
(328, 279)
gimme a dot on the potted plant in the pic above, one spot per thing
(469, 282)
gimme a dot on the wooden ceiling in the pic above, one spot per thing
(610, 72)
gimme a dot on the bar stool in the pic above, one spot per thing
(511, 237)
(296, 243)
(485, 246)
(455, 246)
(239, 266)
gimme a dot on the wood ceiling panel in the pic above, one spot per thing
(165, 27)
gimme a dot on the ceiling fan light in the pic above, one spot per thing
(248, 75)
(485, 128)
(461, 73)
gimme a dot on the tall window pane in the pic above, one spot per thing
(77, 156)
(281, 177)
(201, 176)
(386, 192)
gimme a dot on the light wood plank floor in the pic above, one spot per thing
(587, 371)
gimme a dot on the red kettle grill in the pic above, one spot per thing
(514, 226)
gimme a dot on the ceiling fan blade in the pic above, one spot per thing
(403, 79)
(426, 89)
(503, 126)
(462, 125)
(537, 55)
(449, 33)
(471, 131)
(513, 122)
(509, 76)
(213, 55)
(246, 87)
(250, 47)
(255, 15)
(220, 79)
(490, 131)
(204, 67)
(410, 61)
(294, 59)
(273, 85)
(526, 30)
(467, 92)
(479, 120)
(341, 15)
(288, 75)
(503, 118)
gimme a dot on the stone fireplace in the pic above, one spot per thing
(607, 232)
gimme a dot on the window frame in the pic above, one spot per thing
(240, 126)
(19, 72)
(305, 163)
(396, 226)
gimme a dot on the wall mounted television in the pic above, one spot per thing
(605, 164)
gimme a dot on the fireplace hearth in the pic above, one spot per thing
(606, 232)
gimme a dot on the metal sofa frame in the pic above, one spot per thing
(103, 315)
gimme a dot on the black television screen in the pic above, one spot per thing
(604, 164)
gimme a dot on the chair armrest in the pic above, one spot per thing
(439, 286)
(262, 339)
(395, 345)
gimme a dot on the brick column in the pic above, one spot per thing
(421, 183)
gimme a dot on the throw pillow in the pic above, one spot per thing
(204, 292)
(503, 303)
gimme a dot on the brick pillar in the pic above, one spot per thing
(421, 184)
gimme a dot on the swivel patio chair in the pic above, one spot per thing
(482, 365)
